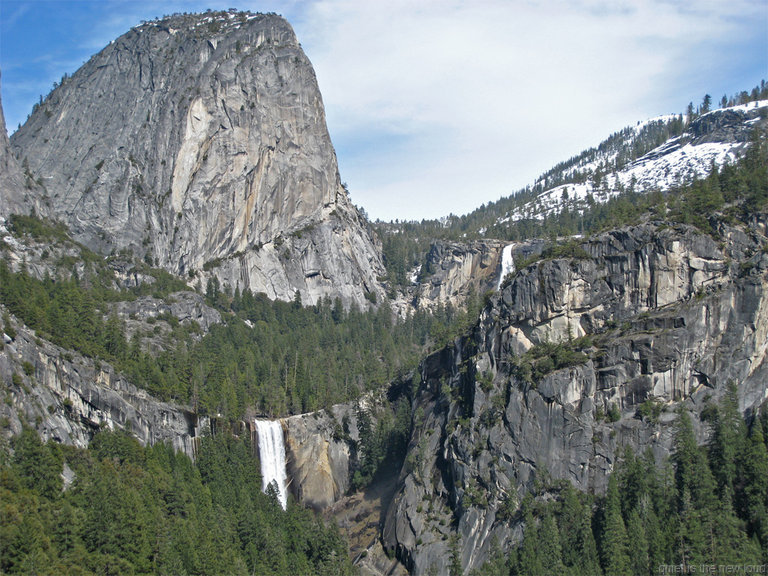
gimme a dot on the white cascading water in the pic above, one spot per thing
(507, 264)
(272, 456)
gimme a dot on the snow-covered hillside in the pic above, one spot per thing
(715, 138)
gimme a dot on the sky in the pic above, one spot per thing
(436, 107)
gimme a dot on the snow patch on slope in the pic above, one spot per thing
(676, 162)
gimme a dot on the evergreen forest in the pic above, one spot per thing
(135, 510)
(705, 508)
(272, 357)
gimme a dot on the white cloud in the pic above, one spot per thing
(484, 96)
(438, 106)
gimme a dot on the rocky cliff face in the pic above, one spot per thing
(67, 398)
(63, 395)
(667, 316)
(319, 460)
(456, 271)
(651, 317)
(14, 186)
(199, 142)
(727, 125)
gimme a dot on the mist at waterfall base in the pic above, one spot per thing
(507, 264)
(272, 456)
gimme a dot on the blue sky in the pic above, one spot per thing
(438, 106)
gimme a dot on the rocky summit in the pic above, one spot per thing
(199, 143)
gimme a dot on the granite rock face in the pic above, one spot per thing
(664, 316)
(322, 449)
(671, 317)
(199, 143)
(723, 126)
(456, 271)
(186, 307)
(14, 186)
(68, 398)
(318, 458)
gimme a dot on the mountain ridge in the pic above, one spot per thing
(600, 167)
(199, 143)
(712, 139)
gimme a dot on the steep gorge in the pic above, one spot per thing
(650, 317)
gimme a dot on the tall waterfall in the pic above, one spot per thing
(507, 264)
(272, 456)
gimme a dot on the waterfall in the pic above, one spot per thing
(507, 264)
(272, 456)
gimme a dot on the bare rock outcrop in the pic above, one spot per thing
(68, 398)
(14, 186)
(655, 317)
(457, 271)
(454, 270)
(318, 456)
(199, 143)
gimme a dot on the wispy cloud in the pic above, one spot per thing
(441, 105)
(491, 93)
(12, 13)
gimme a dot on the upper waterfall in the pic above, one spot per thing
(507, 264)
(272, 456)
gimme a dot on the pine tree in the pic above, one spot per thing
(690, 113)
(614, 549)
(579, 550)
(658, 546)
(529, 562)
(589, 561)
(727, 440)
(753, 497)
(692, 473)
(633, 479)
(691, 536)
(639, 559)
(570, 519)
(454, 546)
(38, 465)
(730, 545)
(549, 549)
(697, 504)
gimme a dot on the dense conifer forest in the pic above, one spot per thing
(135, 510)
(274, 357)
